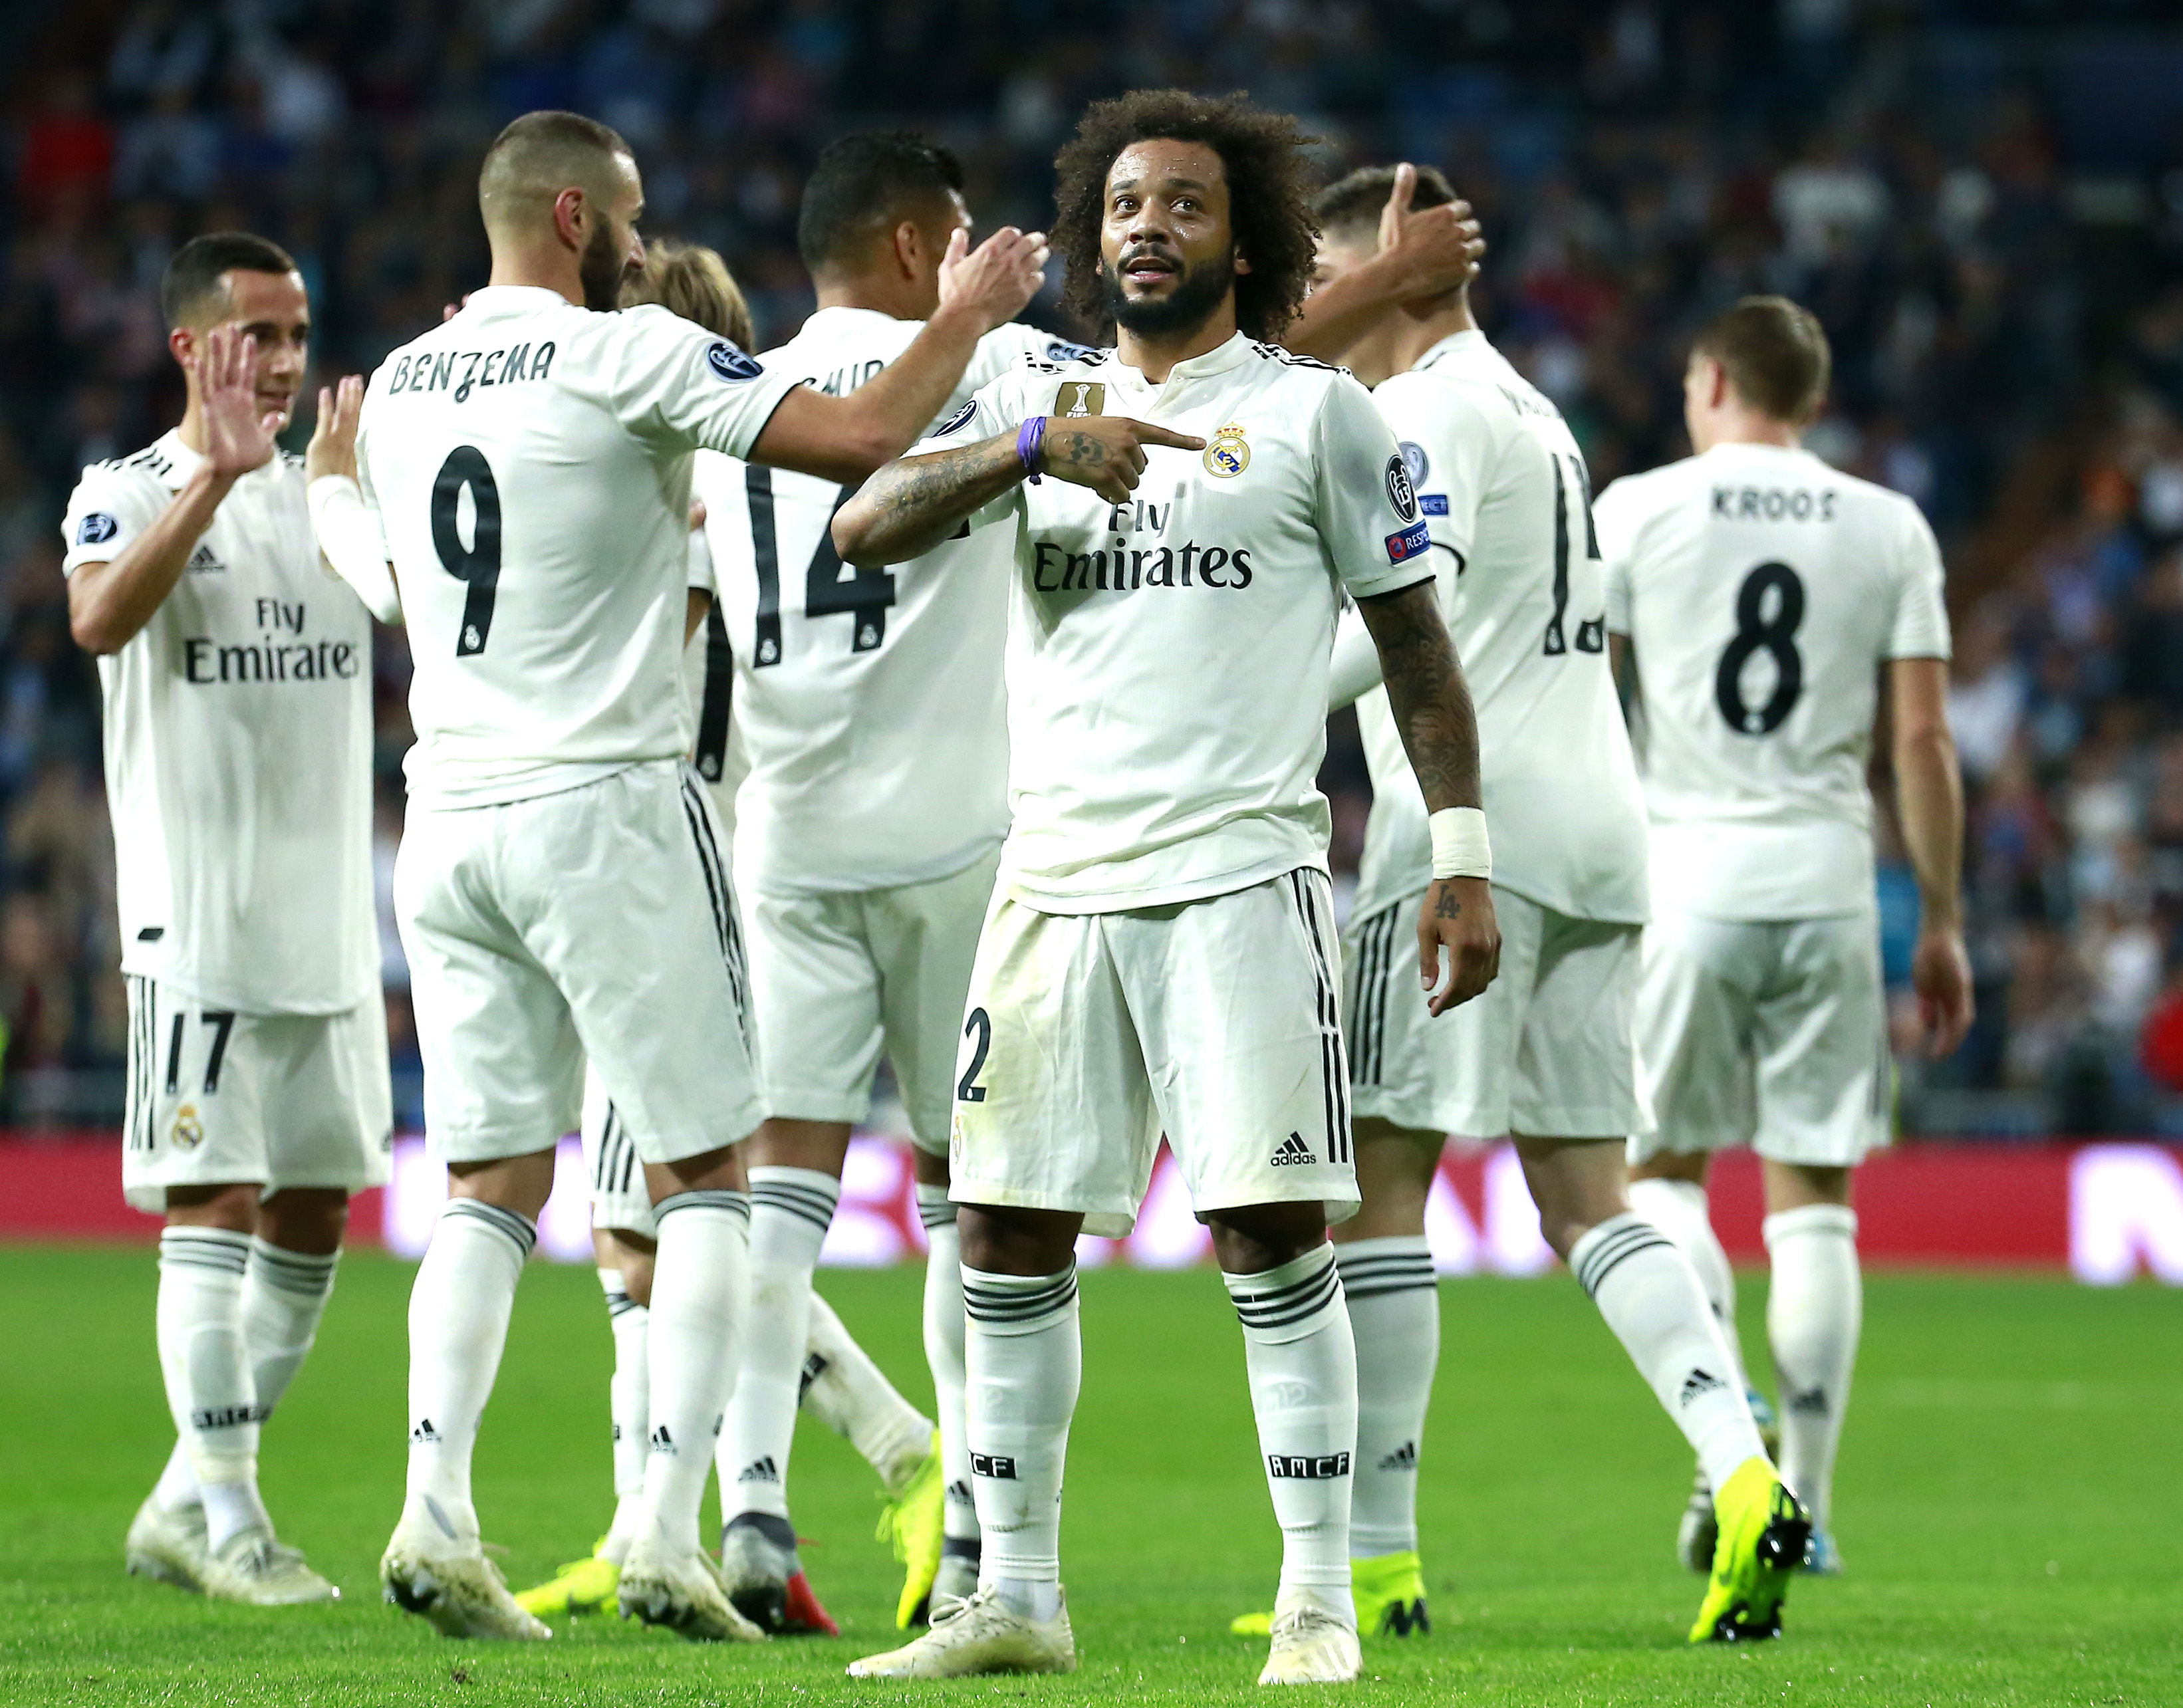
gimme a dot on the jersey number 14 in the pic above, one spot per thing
(865, 597)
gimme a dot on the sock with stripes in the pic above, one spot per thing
(1301, 1361)
(284, 1295)
(791, 1210)
(629, 1399)
(1024, 1362)
(1650, 1296)
(700, 1302)
(206, 1364)
(1394, 1318)
(459, 1312)
(852, 1396)
(1680, 1210)
(1814, 1313)
(944, 1330)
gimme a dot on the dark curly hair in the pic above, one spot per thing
(1269, 193)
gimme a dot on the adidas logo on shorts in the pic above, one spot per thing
(1403, 1458)
(759, 1470)
(1700, 1382)
(1293, 1152)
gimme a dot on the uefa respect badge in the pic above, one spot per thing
(1409, 543)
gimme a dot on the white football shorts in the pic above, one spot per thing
(619, 1198)
(836, 979)
(592, 924)
(1771, 1034)
(1216, 1021)
(1545, 1051)
(217, 1098)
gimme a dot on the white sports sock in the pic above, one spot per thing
(1814, 1314)
(1302, 1360)
(852, 1396)
(1680, 1210)
(791, 1210)
(699, 1301)
(206, 1365)
(459, 1312)
(944, 1331)
(1025, 1363)
(284, 1296)
(1394, 1318)
(628, 1397)
(1650, 1296)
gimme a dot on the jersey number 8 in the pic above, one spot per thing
(1760, 629)
(477, 564)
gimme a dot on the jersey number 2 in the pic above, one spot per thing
(477, 564)
(1759, 631)
(865, 596)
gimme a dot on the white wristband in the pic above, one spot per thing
(1459, 845)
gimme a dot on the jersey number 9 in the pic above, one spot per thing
(477, 564)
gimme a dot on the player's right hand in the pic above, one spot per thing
(1437, 248)
(1941, 974)
(1105, 453)
(995, 279)
(1457, 913)
(333, 449)
(238, 437)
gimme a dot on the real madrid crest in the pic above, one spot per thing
(1229, 454)
(189, 1131)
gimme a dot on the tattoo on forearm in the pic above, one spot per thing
(1430, 698)
(920, 499)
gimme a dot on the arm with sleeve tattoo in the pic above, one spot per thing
(1431, 704)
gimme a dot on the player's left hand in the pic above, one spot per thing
(1458, 913)
(333, 449)
(995, 279)
(1438, 249)
(1941, 974)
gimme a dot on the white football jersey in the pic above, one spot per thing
(1504, 488)
(1763, 591)
(1167, 657)
(238, 747)
(529, 462)
(870, 701)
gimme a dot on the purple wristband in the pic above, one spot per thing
(1030, 442)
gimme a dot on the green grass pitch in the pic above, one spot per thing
(2009, 1507)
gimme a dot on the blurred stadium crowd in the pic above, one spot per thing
(1983, 201)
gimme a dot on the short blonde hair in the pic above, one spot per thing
(693, 281)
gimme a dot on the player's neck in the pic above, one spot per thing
(1748, 427)
(191, 432)
(1399, 342)
(553, 268)
(1156, 357)
(899, 299)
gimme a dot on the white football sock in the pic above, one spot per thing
(1814, 1314)
(944, 1331)
(852, 1396)
(459, 1312)
(1394, 1317)
(628, 1399)
(1024, 1363)
(699, 1299)
(1680, 1210)
(206, 1365)
(1650, 1296)
(1302, 1360)
(284, 1295)
(791, 1210)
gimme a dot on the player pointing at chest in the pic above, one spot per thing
(1160, 953)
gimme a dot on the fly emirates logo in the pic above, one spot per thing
(281, 651)
(1124, 568)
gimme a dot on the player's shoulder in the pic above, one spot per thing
(1047, 357)
(1305, 374)
(153, 463)
(1653, 488)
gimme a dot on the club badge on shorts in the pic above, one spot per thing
(189, 1131)
(1229, 454)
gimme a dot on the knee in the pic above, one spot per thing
(306, 1219)
(1016, 1242)
(232, 1208)
(1257, 1237)
(636, 1276)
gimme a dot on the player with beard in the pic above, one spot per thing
(562, 888)
(1187, 510)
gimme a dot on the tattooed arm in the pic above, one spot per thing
(1432, 710)
(914, 502)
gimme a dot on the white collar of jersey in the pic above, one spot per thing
(511, 299)
(1470, 338)
(1217, 360)
(1760, 447)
